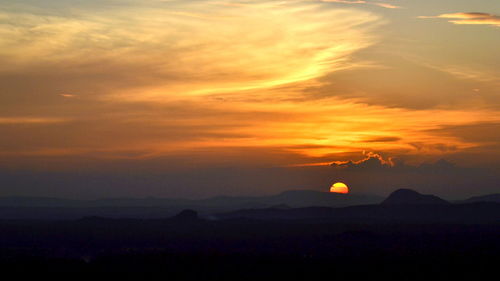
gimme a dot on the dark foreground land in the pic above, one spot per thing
(189, 248)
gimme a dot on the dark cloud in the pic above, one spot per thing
(485, 132)
(375, 162)
(441, 147)
(483, 135)
(442, 177)
(382, 139)
(184, 176)
(372, 161)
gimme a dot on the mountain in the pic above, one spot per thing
(403, 205)
(295, 198)
(307, 198)
(411, 197)
(477, 213)
(19, 201)
(484, 198)
(55, 208)
(186, 216)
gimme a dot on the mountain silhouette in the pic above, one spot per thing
(150, 207)
(411, 213)
(401, 204)
(186, 216)
(307, 198)
(411, 197)
(484, 198)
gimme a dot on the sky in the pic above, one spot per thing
(198, 98)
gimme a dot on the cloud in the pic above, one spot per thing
(387, 5)
(299, 131)
(346, 1)
(382, 139)
(30, 120)
(374, 162)
(183, 176)
(485, 137)
(371, 161)
(151, 81)
(469, 18)
(68, 95)
(171, 53)
(379, 4)
(465, 72)
(169, 177)
(441, 82)
(477, 132)
(441, 177)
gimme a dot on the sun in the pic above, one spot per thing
(339, 187)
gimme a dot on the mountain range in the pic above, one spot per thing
(289, 204)
(293, 198)
(402, 205)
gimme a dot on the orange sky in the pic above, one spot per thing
(247, 83)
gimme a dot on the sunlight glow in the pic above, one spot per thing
(339, 187)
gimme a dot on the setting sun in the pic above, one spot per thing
(339, 187)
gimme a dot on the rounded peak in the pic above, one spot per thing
(405, 191)
(412, 197)
(187, 215)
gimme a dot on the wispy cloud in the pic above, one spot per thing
(380, 4)
(68, 95)
(346, 1)
(469, 18)
(463, 72)
(192, 78)
(247, 47)
(387, 5)
(31, 120)
(382, 139)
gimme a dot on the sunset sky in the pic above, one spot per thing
(197, 98)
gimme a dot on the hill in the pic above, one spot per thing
(56, 208)
(484, 198)
(411, 197)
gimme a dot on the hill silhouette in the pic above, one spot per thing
(184, 247)
(186, 216)
(151, 208)
(401, 206)
(484, 198)
(376, 241)
(293, 198)
(452, 213)
(411, 197)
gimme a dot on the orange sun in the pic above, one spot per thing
(339, 187)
